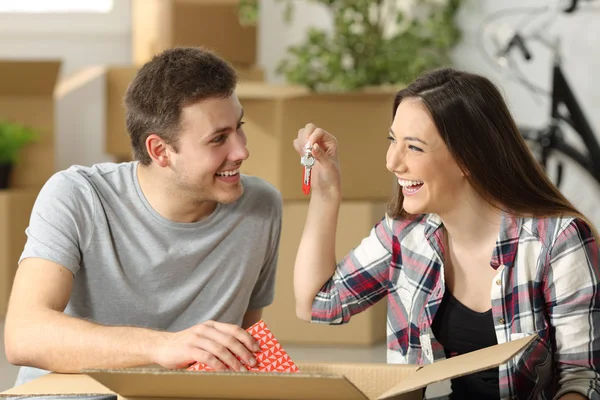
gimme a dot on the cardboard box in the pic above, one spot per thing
(359, 120)
(117, 140)
(321, 381)
(15, 210)
(81, 119)
(26, 96)
(158, 25)
(355, 221)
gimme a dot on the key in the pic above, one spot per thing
(307, 175)
(307, 161)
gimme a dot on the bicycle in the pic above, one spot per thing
(576, 172)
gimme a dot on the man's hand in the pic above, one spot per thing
(213, 343)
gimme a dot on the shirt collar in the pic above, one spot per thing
(506, 245)
(507, 242)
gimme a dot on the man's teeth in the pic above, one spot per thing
(405, 183)
(229, 173)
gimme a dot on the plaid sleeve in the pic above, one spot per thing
(573, 301)
(360, 279)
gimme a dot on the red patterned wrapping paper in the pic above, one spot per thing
(271, 357)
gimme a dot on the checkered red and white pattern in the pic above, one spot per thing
(271, 358)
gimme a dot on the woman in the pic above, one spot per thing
(477, 248)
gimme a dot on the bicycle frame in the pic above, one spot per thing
(562, 94)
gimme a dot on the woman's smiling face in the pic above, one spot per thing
(431, 180)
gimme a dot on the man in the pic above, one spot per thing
(163, 260)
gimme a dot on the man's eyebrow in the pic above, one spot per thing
(408, 138)
(226, 129)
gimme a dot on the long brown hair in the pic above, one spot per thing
(480, 133)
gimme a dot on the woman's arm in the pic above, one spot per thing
(359, 280)
(315, 260)
(572, 294)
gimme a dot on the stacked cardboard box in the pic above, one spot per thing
(359, 120)
(26, 96)
(158, 25)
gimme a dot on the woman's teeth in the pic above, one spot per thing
(405, 183)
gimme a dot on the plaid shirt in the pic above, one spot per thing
(547, 282)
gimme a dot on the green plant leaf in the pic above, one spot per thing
(361, 52)
(248, 12)
(13, 137)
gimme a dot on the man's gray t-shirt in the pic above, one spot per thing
(132, 266)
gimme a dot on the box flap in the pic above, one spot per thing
(372, 379)
(28, 77)
(59, 384)
(140, 382)
(461, 365)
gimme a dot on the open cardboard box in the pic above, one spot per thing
(323, 381)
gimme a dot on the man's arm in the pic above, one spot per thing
(35, 323)
(39, 334)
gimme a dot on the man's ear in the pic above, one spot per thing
(158, 150)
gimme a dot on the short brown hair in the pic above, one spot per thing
(164, 85)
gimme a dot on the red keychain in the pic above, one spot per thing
(307, 161)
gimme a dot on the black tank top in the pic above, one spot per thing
(461, 330)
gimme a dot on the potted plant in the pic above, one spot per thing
(373, 43)
(13, 137)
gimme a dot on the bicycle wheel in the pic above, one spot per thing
(577, 184)
(568, 168)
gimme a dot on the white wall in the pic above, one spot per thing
(275, 35)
